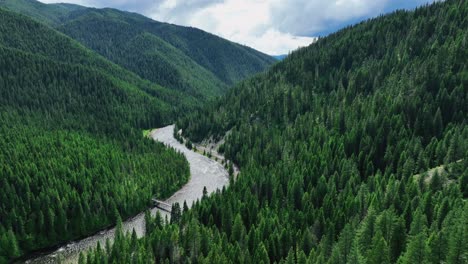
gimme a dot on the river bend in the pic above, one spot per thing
(204, 172)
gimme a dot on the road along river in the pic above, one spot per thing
(204, 172)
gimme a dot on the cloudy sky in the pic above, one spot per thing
(272, 26)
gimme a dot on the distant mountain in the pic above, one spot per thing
(50, 14)
(71, 145)
(77, 87)
(280, 57)
(21, 35)
(177, 57)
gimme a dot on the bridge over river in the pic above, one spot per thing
(162, 205)
(204, 172)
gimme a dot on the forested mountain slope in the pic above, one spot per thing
(124, 39)
(328, 142)
(72, 155)
(50, 14)
(187, 59)
(19, 34)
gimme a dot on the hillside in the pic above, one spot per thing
(127, 43)
(50, 14)
(328, 142)
(186, 59)
(71, 149)
(142, 103)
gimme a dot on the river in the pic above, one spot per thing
(204, 172)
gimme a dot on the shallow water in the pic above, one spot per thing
(204, 172)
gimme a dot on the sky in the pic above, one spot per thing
(272, 26)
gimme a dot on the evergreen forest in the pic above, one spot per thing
(351, 150)
(78, 86)
(180, 58)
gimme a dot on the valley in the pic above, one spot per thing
(204, 173)
(352, 149)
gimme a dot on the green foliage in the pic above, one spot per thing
(329, 142)
(176, 213)
(180, 58)
(72, 156)
(189, 144)
(52, 14)
(34, 54)
(134, 48)
(60, 185)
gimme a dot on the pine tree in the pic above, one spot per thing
(438, 247)
(436, 181)
(366, 232)
(397, 240)
(301, 257)
(354, 256)
(12, 248)
(458, 239)
(261, 254)
(438, 124)
(175, 213)
(133, 241)
(345, 243)
(81, 259)
(379, 252)
(416, 250)
(238, 229)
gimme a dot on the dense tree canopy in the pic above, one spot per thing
(59, 185)
(72, 154)
(181, 58)
(337, 146)
(228, 61)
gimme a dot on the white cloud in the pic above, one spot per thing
(272, 26)
(313, 16)
(247, 22)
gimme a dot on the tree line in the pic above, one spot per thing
(72, 156)
(337, 146)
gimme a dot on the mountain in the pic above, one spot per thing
(125, 39)
(337, 146)
(228, 61)
(50, 14)
(29, 39)
(187, 59)
(71, 146)
(280, 57)
(77, 87)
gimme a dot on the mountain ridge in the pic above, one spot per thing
(329, 140)
(219, 62)
(70, 125)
